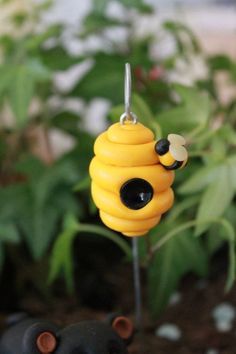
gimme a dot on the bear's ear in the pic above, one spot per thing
(46, 342)
(40, 338)
(123, 326)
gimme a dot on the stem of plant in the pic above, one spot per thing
(50, 155)
(230, 236)
(107, 234)
(186, 226)
(149, 246)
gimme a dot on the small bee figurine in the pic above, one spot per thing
(171, 151)
(132, 176)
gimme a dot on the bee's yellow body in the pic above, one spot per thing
(125, 156)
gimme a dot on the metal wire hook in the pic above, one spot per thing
(127, 88)
(128, 115)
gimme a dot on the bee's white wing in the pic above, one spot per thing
(178, 152)
(176, 139)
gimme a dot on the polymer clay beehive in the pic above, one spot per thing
(130, 187)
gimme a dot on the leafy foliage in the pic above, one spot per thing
(194, 260)
(184, 254)
(40, 202)
(42, 196)
(62, 251)
(194, 111)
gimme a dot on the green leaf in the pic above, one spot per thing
(181, 207)
(232, 167)
(200, 179)
(229, 236)
(216, 198)
(145, 114)
(11, 201)
(61, 260)
(38, 225)
(82, 154)
(58, 59)
(97, 21)
(20, 94)
(43, 6)
(100, 5)
(185, 39)
(59, 177)
(116, 112)
(108, 234)
(35, 41)
(7, 43)
(39, 222)
(38, 70)
(228, 133)
(142, 109)
(31, 167)
(92, 206)
(214, 239)
(218, 149)
(8, 232)
(19, 19)
(43, 200)
(82, 185)
(217, 236)
(105, 79)
(139, 5)
(180, 255)
(6, 75)
(220, 62)
(191, 113)
(66, 121)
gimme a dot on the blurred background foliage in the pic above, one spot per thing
(44, 196)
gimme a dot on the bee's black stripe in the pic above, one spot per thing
(174, 166)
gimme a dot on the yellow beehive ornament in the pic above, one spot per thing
(132, 176)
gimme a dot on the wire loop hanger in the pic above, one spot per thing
(128, 115)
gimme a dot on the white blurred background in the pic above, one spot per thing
(214, 21)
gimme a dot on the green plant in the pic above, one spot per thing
(204, 195)
(36, 190)
(42, 196)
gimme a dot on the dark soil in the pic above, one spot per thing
(105, 285)
(193, 315)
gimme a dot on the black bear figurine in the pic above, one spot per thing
(32, 336)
